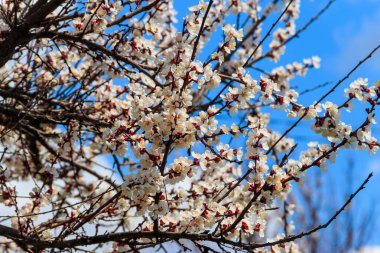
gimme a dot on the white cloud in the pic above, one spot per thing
(103, 166)
(369, 249)
(374, 165)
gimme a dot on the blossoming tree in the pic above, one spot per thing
(124, 81)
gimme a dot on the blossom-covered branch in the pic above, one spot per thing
(130, 132)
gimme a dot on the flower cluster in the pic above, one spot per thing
(119, 121)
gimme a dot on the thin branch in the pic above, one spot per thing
(325, 225)
(201, 30)
(324, 96)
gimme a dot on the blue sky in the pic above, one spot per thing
(346, 33)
